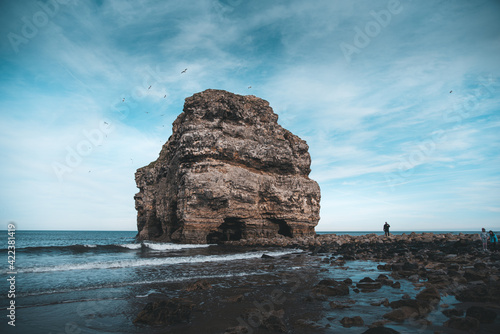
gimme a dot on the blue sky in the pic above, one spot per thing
(366, 83)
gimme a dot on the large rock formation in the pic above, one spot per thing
(227, 172)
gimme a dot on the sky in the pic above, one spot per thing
(398, 101)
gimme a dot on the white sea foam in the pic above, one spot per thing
(90, 246)
(153, 262)
(131, 246)
(150, 292)
(170, 246)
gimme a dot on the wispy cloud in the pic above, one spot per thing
(406, 130)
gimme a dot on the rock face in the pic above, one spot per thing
(227, 172)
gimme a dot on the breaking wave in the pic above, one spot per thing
(154, 262)
(148, 246)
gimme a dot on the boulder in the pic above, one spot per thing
(430, 294)
(198, 285)
(401, 314)
(473, 293)
(354, 321)
(229, 171)
(453, 312)
(330, 287)
(420, 307)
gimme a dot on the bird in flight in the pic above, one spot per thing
(164, 96)
(249, 87)
(184, 71)
(123, 100)
(451, 91)
(149, 87)
(106, 123)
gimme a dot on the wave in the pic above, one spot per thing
(169, 246)
(153, 262)
(157, 247)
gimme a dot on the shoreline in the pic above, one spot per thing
(428, 282)
(319, 284)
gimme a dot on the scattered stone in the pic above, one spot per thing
(237, 330)
(453, 312)
(235, 299)
(423, 323)
(371, 286)
(484, 315)
(330, 287)
(463, 324)
(381, 330)
(401, 314)
(308, 323)
(384, 302)
(165, 312)
(366, 280)
(198, 285)
(430, 295)
(354, 321)
(338, 306)
(481, 292)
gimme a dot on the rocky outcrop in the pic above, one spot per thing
(227, 172)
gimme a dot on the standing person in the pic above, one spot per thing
(484, 239)
(493, 241)
(386, 229)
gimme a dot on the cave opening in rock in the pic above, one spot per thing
(284, 229)
(231, 230)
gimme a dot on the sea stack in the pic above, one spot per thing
(227, 172)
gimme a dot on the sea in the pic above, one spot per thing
(95, 281)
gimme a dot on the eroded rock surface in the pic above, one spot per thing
(228, 172)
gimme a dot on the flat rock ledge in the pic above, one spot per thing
(332, 241)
